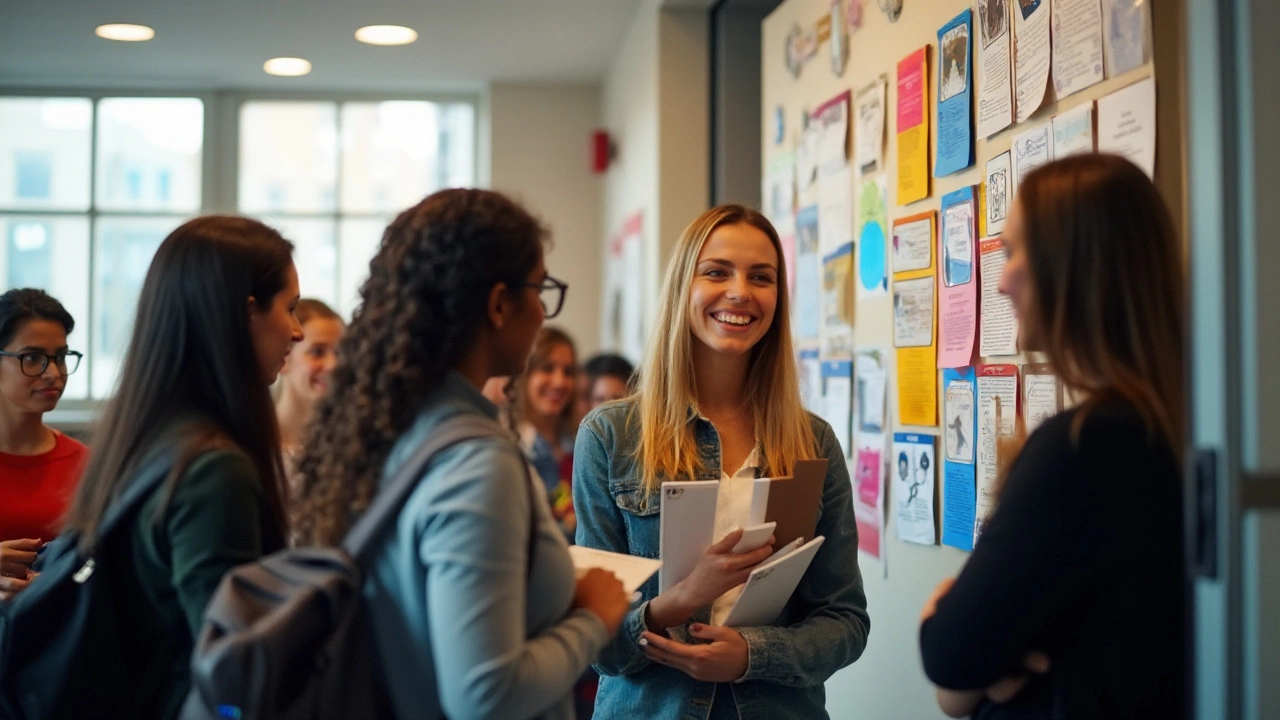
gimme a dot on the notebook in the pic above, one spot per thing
(770, 586)
(685, 529)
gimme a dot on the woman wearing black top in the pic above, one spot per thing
(1072, 604)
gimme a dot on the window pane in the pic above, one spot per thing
(123, 248)
(358, 241)
(149, 154)
(52, 253)
(44, 153)
(458, 146)
(314, 255)
(288, 157)
(390, 155)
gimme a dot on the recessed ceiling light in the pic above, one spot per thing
(287, 66)
(386, 35)
(124, 32)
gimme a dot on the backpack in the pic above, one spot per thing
(62, 646)
(289, 636)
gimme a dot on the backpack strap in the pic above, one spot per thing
(387, 503)
(150, 472)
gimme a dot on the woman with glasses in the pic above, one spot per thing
(39, 466)
(473, 599)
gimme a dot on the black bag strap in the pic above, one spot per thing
(387, 503)
(150, 472)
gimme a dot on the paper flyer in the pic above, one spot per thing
(958, 296)
(959, 467)
(995, 68)
(811, 381)
(1031, 148)
(955, 96)
(913, 127)
(837, 303)
(1031, 56)
(873, 219)
(807, 291)
(870, 133)
(997, 420)
(1041, 395)
(999, 192)
(1073, 131)
(913, 242)
(835, 209)
(918, 386)
(914, 470)
(998, 326)
(1127, 124)
(1126, 31)
(1077, 46)
(913, 308)
(837, 393)
(871, 377)
(832, 121)
(867, 472)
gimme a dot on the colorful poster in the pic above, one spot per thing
(913, 242)
(995, 71)
(997, 424)
(913, 487)
(955, 96)
(873, 218)
(956, 247)
(868, 498)
(918, 386)
(837, 303)
(958, 296)
(807, 292)
(998, 326)
(1031, 56)
(959, 422)
(999, 192)
(913, 127)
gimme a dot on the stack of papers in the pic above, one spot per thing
(631, 570)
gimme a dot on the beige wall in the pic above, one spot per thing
(540, 154)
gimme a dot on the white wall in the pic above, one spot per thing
(655, 107)
(539, 148)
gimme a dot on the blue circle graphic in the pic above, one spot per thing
(871, 260)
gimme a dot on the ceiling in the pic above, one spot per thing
(221, 44)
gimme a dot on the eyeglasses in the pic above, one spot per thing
(34, 362)
(549, 285)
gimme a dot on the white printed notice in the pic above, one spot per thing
(914, 470)
(1127, 124)
(1031, 148)
(1073, 132)
(1077, 45)
(870, 127)
(1041, 398)
(1127, 29)
(997, 325)
(913, 312)
(1031, 56)
(913, 242)
(997, 418)
(999, 192)
(995, 71)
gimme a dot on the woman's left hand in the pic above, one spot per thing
(724, 659)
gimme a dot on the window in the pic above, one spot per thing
(330, 176)
(90, 186)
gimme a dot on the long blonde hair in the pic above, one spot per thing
(667, 388)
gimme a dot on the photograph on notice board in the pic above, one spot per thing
(993, 16)
(955, 61)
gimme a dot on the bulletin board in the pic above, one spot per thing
(815, 83)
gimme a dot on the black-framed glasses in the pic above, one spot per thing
(34, 362)
(548, 285)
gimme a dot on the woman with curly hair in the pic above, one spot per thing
(470, 619)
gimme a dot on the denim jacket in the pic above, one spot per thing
(822, 629)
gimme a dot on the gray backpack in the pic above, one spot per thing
(289, 636)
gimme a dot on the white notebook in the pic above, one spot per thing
(686, 528)
(770, 585)
(633, 571)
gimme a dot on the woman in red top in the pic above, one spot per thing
(39, 466)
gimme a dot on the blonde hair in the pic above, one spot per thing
(667, 388)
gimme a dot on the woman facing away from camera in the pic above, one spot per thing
(718, 398)
(473, 599)
(1073, 602)
(214, 323)
(39, 466)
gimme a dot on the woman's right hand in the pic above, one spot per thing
(718, 571)
(17, 556)
(601, 592)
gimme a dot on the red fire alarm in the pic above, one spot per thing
(601, 151)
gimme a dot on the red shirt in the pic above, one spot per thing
(35, 490)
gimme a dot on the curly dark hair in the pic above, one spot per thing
(419, 313)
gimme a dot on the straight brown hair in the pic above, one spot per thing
(1109, 287)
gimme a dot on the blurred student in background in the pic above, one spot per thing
(305, 375)
(604, 377)
(542, 414)
(39, 466)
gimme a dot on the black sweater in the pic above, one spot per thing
(1083, 559)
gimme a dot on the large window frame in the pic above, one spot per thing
(219, 174)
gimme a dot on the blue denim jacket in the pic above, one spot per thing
(822, 629)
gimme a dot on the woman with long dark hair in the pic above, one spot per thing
(472, 595)
(39, 466)
(1072, 604)
(215, 320)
